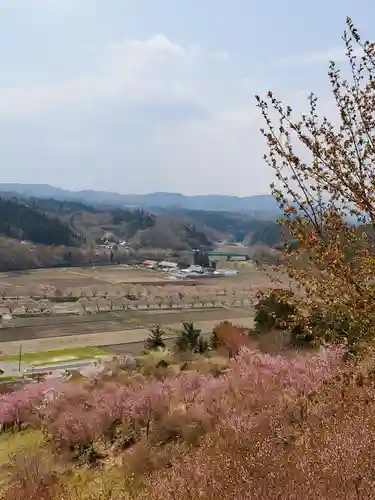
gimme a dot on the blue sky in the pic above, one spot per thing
(157, 95)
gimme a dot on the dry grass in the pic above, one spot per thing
(19, 444)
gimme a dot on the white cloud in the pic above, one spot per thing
(152, 107)
(154, 68)
(313, 58)
(134, 69)
(220, 154)
(153, 115)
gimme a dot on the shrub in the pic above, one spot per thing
(229, 337)
(162, 364)
(31, 476)
(251, 423)
(203, 345)
(274, 311)
(187, 426)
(253, 438)
(158, 370)
(215, 341)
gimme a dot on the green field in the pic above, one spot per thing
(76, 354)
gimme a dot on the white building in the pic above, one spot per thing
(165, 265)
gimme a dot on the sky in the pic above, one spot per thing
(137, 96)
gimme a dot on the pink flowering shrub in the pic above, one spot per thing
(245, 422)
(302, 428)
(74, 414)
(24, 406)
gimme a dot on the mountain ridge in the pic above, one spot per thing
(254, 203)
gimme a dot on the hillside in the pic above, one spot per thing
(176, 229)
(167, 425)
(24, 221)
(55, 227)
(173, 234)
(236, 227)
(139, 228)
(262, 205)
(60, 208)
(49, 222)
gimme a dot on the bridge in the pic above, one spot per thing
(228, 255)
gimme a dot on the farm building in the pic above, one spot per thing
(166, 265)
(151, 264)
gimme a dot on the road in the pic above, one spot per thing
(122, 342)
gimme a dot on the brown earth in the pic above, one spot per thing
(104, 338)
(24, 282)
(109, 323)
(107, 316)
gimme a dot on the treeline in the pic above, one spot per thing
(24, 222)
(60, 207)
(15, 256)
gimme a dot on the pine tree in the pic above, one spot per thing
(155, 339)
(190, 339)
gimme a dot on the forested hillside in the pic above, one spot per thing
(235, 226)
(54, 224)
(132, 221)
(24, 222)
(60, 207)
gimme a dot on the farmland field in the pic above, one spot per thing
(22, 283)
(99, 306)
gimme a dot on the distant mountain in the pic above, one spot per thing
(262, 204)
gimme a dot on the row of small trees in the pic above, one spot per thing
(106, 304)
(151, 294)
(189, 339)
(225, 336)
(160, 302)
(274, 312)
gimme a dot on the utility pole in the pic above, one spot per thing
(19, 359)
